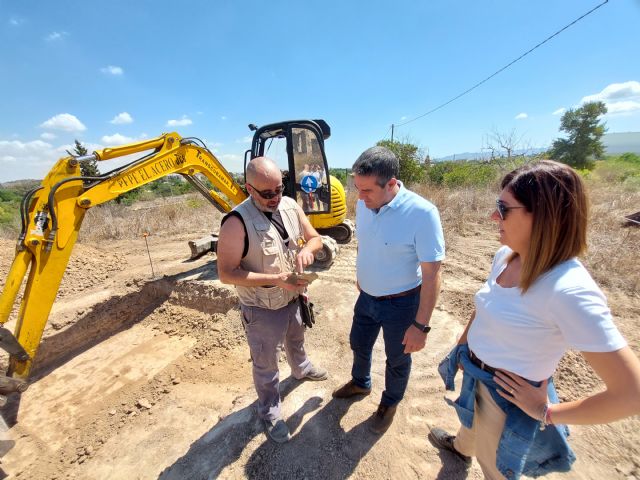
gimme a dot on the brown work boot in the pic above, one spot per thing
(382, 419)
(350, 389)
(444, 441)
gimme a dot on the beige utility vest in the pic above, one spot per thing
(268, 253)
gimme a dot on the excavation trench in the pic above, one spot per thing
(167, 345)
(67, 338)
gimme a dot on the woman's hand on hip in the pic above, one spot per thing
(531, 400)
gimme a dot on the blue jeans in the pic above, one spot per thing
(394, 316)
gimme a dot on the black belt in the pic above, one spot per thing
(480, 364)
(401, 294)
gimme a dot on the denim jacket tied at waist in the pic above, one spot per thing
(523, 448)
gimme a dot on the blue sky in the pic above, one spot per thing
(113, 72)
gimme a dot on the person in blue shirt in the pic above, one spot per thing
(538, 302)
(400, 248)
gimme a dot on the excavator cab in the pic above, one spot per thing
(297, 146)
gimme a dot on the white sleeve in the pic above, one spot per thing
(499, 259)
(582, 315)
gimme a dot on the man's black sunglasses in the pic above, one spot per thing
(503, 209)
(268, 194)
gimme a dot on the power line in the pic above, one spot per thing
(503, 68)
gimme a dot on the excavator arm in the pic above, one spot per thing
(51, 218)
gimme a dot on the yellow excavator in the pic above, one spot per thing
(52, 214)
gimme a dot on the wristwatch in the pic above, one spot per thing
(421, 327)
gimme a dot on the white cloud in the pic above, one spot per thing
(64, 121)
(122, 118)
(25, 159)
(620, 98)
(223, 118)
(615, 91)
(15, 21)
(521, 116)
(55, 36)
(559, 111)
(112, 70)
(47, 136)
(16, 147)
(116, 139)
(32, 159)
(403, 118)
(628, 106)
(179, 123)
(231, 161)
(246, 139)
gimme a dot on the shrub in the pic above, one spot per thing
(463, 173)
(340, 174)
(411, 167)
(623, 169)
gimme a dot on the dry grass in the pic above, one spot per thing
(187, 214)
(463, 211)
(614, 249)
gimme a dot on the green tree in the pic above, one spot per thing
(585, 132)
(340, 173)
(411, 166)
(89, 168)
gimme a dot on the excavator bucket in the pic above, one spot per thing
(203, 245)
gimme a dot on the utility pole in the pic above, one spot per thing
(392, 126)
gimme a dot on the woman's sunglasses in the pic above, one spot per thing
(268, 194)
(503, 209)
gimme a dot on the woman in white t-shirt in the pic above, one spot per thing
(539, 301)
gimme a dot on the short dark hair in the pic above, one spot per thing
(555, 194)
(379, 162)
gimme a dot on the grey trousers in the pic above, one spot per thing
(267, 330)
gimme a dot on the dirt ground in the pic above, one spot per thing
(145, 377)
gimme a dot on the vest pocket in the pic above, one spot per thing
(271, 297)
(271, 249)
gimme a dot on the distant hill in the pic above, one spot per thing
(617, 143)
(479, 155)
(614, 144)
(20, 185)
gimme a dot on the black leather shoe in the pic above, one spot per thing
(382, 419)
(441, 439)
(350, 389)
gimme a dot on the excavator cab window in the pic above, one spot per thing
(297, 147)
(311, 181)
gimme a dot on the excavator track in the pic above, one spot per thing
(326, 256)
(342, 233)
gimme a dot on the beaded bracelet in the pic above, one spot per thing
(545, 416)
